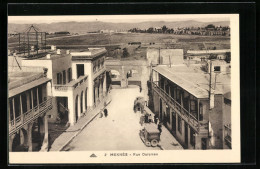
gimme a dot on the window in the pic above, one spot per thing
(35, 102)
(99, 64)
(194, 108)
(24, 102)
(59, 76)
(179, 124)
(69, 75)
(162, 82)
(64, 76)
(201, 112)
(168, 114)
(94, 66)
(216, 68)
(11, 108)
(178, 97)
(80, 70)
(17, 106)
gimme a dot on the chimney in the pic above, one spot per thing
(48, 56)
(67, 51)
(53, 47)
(58, 51)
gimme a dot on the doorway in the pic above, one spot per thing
(203, 143)
(174, 123)
(186, 134)
(80, 70)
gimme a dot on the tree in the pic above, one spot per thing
(125, 53)
(150, 30)
(228, 57)
(164, 29)
(210, 26)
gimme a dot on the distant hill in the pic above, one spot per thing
(83, 27)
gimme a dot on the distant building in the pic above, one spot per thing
(218, 66)
(182, 101)
(165, 56)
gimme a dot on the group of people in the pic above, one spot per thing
(148, 118)
(105, 112)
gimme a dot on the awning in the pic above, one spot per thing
(27, 86)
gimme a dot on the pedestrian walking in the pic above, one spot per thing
(160, 127)
(101, 114)
(142, 120)
(146, 118)
(105, 112)
(156, 119)
(150, 118)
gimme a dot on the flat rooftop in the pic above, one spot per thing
(194, 80)
(89, 53)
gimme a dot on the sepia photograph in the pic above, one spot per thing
(114, 88)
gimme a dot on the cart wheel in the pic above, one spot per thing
(154, 143)
(148, 144)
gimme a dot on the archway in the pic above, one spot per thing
(37, 134)
(115, 77)
(76, 108)
(81, 102)
(86, 99)
(20, 141)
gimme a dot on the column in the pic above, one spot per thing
(30, 137)
(13, 111)
(71, 108)
(10, 143)
(45, 143)
(21, 107)
(38, 98)
(32, 99)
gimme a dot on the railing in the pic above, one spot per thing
(32, 114)
(71, 85)
(188, 117)
(227, 135)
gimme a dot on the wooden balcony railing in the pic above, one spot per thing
(30, 115)
(227, 135)
(71, 85)
(188, 117)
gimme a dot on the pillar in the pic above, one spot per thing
(11, 138)
(71, 107)
(30, 137)
(45, 143)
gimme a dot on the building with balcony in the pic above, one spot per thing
(188, 108)
(28, 105)
(77, 84)
(91, 62)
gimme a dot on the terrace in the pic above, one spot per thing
(71, 85)
(29, 116)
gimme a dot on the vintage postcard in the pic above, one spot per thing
(123, 89)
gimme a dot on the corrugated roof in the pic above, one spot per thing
(27, 86)
(193, 80)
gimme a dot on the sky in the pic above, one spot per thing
(117, 18)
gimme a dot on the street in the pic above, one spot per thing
(118, 131)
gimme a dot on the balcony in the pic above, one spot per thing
(71, 85)
(227, 135)
(189, 118)
(29, 116)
